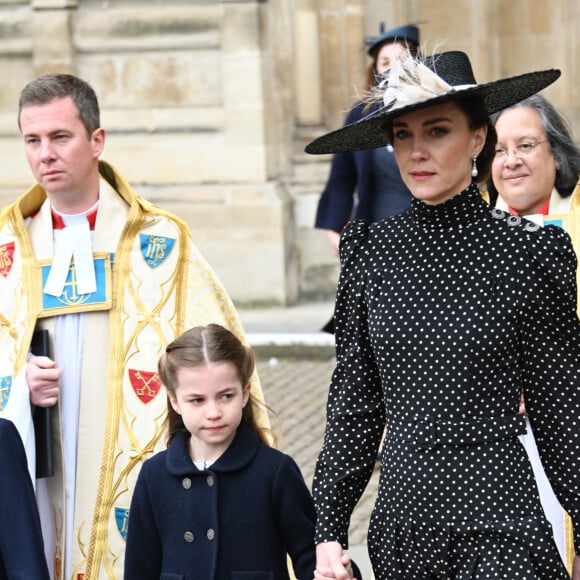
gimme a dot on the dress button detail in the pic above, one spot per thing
(188, 537)
(210, 534)
(186, 483)
(210, 480)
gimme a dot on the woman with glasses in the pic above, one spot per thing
(535, 174)
(443, 314)
(537, 163)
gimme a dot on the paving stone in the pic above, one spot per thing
(296, 390)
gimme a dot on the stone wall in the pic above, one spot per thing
(208, 104)
(196, 110)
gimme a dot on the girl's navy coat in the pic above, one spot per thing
(238, 519)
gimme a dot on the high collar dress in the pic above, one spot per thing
(443, 314)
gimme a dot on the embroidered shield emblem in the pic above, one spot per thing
(122, 519)
(5, 386)
(146, 384)
(156, 249)
(6, 258)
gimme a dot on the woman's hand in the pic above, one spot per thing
(331, 563)
(576, 568)
(333, 239)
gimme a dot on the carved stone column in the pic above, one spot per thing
(52, 48)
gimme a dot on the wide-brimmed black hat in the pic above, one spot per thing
(416, 83)
(408, 33)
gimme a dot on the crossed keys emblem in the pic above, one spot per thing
(146, 384)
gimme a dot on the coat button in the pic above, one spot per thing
(210, 480)
(188, 537)
(210, 534)
(186, 482)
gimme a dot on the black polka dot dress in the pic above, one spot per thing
(443, 314)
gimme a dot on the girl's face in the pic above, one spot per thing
(434, 148)
(210, 400)
(523, 178)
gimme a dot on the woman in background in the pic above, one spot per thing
(535, 175)
(373, 174)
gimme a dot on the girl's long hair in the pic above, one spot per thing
(200, 346)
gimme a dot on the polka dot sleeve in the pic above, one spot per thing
(551, 363)
(355, 414)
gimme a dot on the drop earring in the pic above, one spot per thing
(474, 172)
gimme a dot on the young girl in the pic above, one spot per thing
(219, 503)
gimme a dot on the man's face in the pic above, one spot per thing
(62, 157)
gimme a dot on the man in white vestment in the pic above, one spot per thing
(113, 279)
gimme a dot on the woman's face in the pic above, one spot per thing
(434, 148)
(523, 179)
(387, 55)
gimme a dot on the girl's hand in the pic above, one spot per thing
(331, 563)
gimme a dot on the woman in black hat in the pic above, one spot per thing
(372, 174)
(443, 315)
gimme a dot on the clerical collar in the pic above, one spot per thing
(72, 244)
(61, 220)
(544, 210)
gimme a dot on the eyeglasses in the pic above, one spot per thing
(520, 150)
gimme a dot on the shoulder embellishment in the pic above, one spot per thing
(514, 220)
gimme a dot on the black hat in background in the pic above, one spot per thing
(408, 33)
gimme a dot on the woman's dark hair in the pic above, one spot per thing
(562, 145)
(477, 116)
(200, 346)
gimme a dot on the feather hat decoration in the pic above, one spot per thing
(417, 83)
(409, 81)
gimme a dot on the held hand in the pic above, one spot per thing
(43, 379)
(333, 239)
(576, 568)
(522, 408)
(331, 563)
